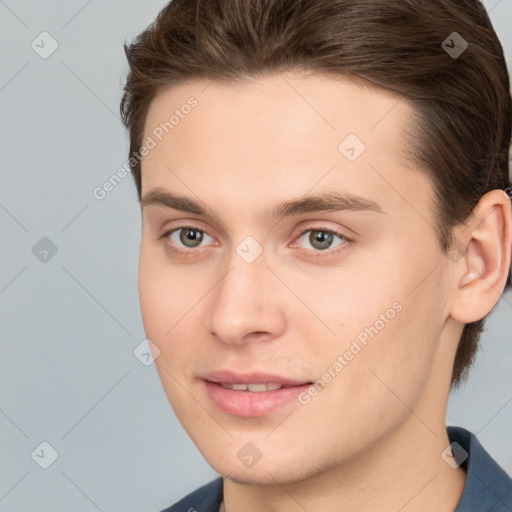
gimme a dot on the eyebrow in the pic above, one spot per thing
(325, 201)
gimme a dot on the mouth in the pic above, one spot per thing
(251, 395)
(253, 388)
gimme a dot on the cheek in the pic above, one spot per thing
(170, 303)
(164, 302)
(379, 382)
(389, 321)
(155, 305)
(165, 294)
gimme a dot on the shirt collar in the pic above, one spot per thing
(487, 486)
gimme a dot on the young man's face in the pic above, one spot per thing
(353, 297)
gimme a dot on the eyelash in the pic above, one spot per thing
(315, 253)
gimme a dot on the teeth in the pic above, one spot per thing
(255, 388)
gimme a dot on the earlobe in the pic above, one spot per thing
(482, 271)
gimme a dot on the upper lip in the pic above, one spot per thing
(226, 376)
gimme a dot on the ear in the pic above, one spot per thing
(481, 270)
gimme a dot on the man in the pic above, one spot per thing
(326, 224)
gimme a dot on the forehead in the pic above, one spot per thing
(290, 103)
(284, 130)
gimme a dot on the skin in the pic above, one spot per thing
(372, 438)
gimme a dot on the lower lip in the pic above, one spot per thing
(250, 404)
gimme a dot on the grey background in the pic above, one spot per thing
(69, 326)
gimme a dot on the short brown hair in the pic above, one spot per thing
(463, 103)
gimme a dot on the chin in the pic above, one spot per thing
(273, 471)
(262, 477)
(249, 479)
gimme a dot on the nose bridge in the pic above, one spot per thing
(244, 301)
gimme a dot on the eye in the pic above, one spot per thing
(322, 239)
(184, 239)
(185, 236)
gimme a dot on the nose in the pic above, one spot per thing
(246, 303)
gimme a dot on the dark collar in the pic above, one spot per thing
(488, 488)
